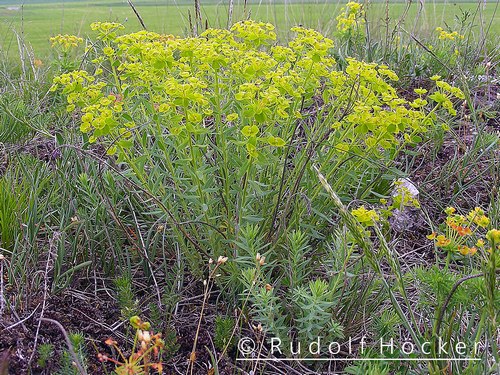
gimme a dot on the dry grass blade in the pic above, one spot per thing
(141, 21)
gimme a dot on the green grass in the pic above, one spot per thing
(39, 20)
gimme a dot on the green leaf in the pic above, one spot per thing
(276, 141)
(126, 143)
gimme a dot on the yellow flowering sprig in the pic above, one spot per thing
(445, 93)
(367, 218)
(494, 236)
(462, 232)
(106, 30)
(449, 44)
(65, 49)
(65, 42)
(351, 17)
(145, 357)
(445, 35)
(254, 34)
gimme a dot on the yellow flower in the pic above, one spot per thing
(250, 131)
(365, 217)
(450, 210)
(493, 236)
(276, 141)
(108, 51)
(482, 221)
(252, 150)
(432, 236)
(442, 241)
(463, 231)
(350, 17)
(444, 35)
(65, 42)
(464, 250)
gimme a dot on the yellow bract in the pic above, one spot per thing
(65, 42)
(365, 217)
(445, 35)
(351, 17)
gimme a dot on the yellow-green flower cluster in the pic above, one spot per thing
(378, 115)
(106, 30)
(99, 111)
(311, 44)
(445, 35)
(65, 42)
(445, 93)
(366, 218)
(254, 34)
(234, 76)
(403, 197)
(351, 17)
(494, 236)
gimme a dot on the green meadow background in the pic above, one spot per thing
(35, 21)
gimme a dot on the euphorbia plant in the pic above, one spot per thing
(221, 129)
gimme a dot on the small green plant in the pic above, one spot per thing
(386, 324)
(297, 248)
(224, 338)
(45, 352)
(67, 366)
(314, 312)
(126, 297)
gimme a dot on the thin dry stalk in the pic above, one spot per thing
(230, 14)
(145, 252)
(2, 299)
(21, 321)
(141, 21)
(208, 284)
(197, 17)
(48, 267)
